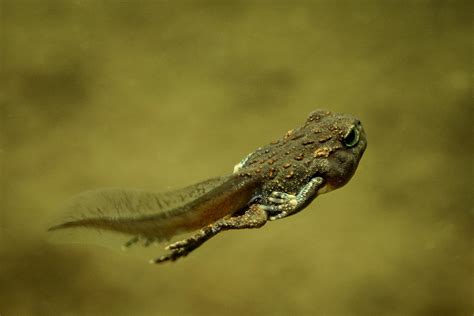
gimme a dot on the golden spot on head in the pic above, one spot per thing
(322, 152)
(287, 165)
(299, 157)
(288, 134)
(272, 172)
(324, 138)
(290, 175)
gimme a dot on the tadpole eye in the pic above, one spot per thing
(352, 138)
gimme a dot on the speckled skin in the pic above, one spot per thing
(273, 182)
(315, 149)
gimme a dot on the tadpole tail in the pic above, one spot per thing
(100, 223)
(157, 228)
(160, 215)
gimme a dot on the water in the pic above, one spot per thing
(158, 95)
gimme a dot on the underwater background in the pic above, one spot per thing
(162, 94)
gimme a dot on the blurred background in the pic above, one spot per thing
(161, 94)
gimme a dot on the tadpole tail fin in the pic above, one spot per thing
(160, 215)
(99, 223)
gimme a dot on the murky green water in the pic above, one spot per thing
(161, 94)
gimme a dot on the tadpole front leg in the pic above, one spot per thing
(284, 204)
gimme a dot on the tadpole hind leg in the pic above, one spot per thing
(254, 217)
